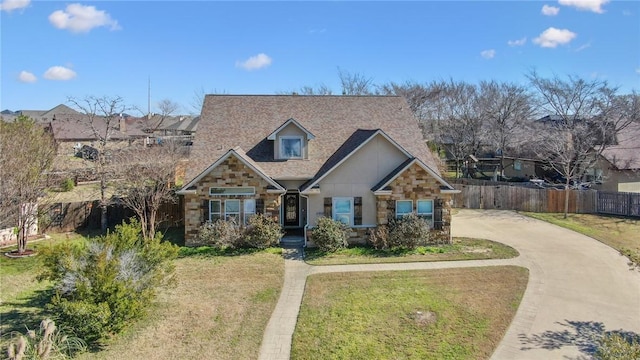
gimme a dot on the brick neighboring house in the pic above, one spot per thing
(357, 159)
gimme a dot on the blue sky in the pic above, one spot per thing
(53, 50)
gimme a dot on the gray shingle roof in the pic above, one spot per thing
(228, 121)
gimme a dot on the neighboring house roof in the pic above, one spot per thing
(228, 121)
(626, 154)
(80, 128)
(186, 124)
(240, 155)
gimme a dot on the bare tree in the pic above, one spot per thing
(167, 108)
(461, 122)
(198, 99)
(321, 89)
(103, 118)
(355, 83)
(26, 152)
(506, 109)
(148, 181)
(585, 117)
(425, 101)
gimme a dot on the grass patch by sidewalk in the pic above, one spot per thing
(460, 249)
(430, 314)
(22, 297)
(218, 309)
(620, 233)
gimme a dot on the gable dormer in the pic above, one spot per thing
(291, 141)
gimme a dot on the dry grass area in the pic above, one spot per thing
(432, 314)
(218, 309)
(619, 233)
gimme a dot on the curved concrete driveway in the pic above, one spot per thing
(577, 288)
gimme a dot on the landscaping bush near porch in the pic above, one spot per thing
(433, 314)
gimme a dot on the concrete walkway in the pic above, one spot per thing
(577, 288)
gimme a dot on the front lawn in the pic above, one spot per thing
(430, 314)
(620, 233)
(460, 249)
(218, 309)
(22, 297)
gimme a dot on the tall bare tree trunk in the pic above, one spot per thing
(566, 198)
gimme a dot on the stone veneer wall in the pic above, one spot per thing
(232, 172)
(415, 184)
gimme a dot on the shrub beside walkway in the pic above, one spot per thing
(577, 288)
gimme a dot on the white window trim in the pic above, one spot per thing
(245, 219)
(411, 201)
(211, 212)
(233, 213)
(252, 193)
(286, 137)
(333, 208)
(422, 214)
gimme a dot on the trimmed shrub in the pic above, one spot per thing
(379, 238)
(67, 184)
(329, 235)
(618, 347)
(46, 343)
(221, 234)
(101, 288)
(408, 232)
(262, 232)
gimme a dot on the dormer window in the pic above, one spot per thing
(291, 141)
(291, 147)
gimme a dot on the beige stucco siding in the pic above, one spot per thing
(356, 176)
(291, 130)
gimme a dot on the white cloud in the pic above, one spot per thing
(488, 54)
(589, 5)
(550, 10)
(27, 77)
(10, 5)
(59, 73)
(255, 62)
(638, 71)
(518, 42)
(79, 18)
(553, 37)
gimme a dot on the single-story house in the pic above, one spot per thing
(358, 159)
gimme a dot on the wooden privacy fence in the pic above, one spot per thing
(63, 217)
(523, 199)
(619, 203)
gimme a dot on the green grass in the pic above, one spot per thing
(22, 297)
(460, 249)
(375, 315)
(617, 232)
(218, 309)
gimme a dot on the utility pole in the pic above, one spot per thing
(149, 99)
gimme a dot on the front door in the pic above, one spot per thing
(291, 209)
